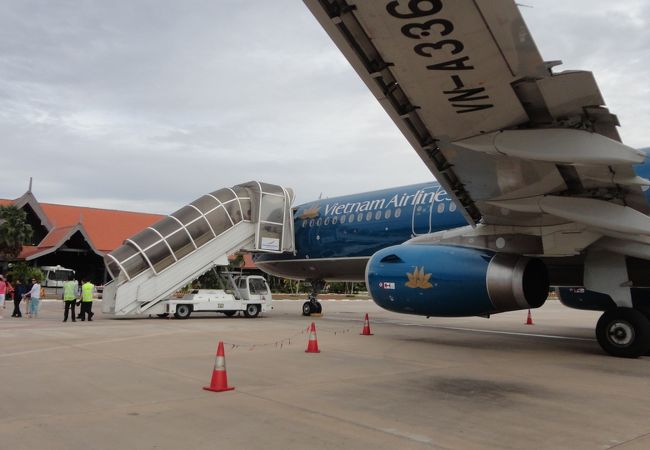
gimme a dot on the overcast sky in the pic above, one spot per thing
(148, 104)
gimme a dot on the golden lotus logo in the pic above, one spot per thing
(310, 213)
(418, 279)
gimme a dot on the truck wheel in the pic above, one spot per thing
(306, 309)
(624, 332)
(252, 311)
(163, 315)
(229, 313)
(319, 308)
(183, 311)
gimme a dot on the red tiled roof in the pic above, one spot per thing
(106, 228)
(27, 251)
(248, 262)
(54, 237)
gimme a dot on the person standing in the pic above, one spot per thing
(3, 293)
(20, 289)
(9, 293)
(34, 296)
(87, 291)
(69, 298)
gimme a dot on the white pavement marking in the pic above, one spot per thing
(516, 333)
(475, 330)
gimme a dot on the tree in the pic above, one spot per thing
(24, 272)
(14, 231)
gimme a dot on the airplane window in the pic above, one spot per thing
(387, 214)
(378, 215)
(351, 218)
(441, 208)
(359, 217)
(335, 220)
(398, 212)
(342, 219)
(311, 223)
(368, 216)
(319, 222)
(452, 207)
(327, 221)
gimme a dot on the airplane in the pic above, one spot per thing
(544, 192)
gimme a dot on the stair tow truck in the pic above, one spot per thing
(248, 294)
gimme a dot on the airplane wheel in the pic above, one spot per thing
(306, 309)
(624, 332)
(183, 311)
(252, 311)
(319, 308)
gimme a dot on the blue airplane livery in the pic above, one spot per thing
(336, 237)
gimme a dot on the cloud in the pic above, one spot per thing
(147, 105)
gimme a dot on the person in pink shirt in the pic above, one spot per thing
(3, 293)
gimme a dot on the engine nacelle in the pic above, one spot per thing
(443, 280)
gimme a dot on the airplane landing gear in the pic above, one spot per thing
(624, 332)
(312, 305)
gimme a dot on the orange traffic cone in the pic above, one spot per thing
(219, 382)
(366, 327)
(312, 346)
(529, 320)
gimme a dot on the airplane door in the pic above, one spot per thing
(421, 222)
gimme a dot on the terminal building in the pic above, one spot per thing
(78, 237)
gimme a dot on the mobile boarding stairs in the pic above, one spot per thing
(150, 266)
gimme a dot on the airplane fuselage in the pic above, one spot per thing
(336, 237)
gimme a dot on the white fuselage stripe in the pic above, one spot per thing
(306, 260)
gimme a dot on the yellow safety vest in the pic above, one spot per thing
(69, 291)
(87, 292)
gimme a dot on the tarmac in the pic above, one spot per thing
(416, 383)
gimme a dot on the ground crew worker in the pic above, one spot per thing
(87, 291)
(69, 298)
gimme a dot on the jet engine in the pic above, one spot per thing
(451, 281)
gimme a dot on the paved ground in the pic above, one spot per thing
(417, 383)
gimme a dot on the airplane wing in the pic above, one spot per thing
(510, 141)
